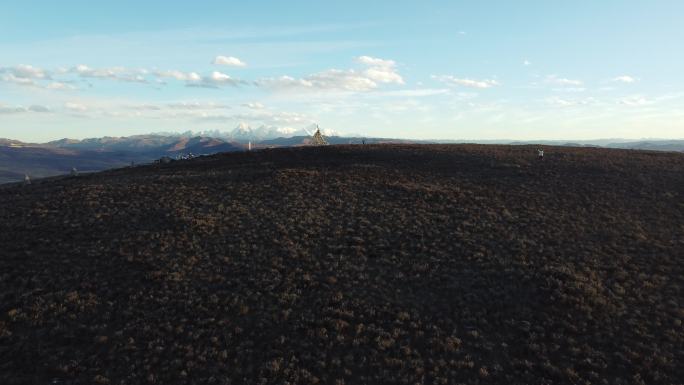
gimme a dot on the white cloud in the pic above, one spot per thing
(527, 63)
(375, 62)
(413, 92)
(219, 77)
(144, 107)
(23, 74)
(634, 101)
(179, 75)
(273, 117)
(60, 86)
(78, 107)
(561, 102)
(214, 80)
(384, 75)
(194, 79)
(26, 71)
(333, 79)
(624, 79)
(570, 89)
(452, 80)
(553, 79)
(196, 106)
(348, 80)
(229, 61)
(379, 71)
(254, 106)
(27, 75)
(284, 82)
(112, 73)
(11, 78)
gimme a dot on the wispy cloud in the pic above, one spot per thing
(11, 78)
(375, 62)
(254, 106)
(379, 71)
(635, 101)
(26, 71)
(112, 73)
(274, 117)
(559, 81)
(229, 61)
(76, 107)
(465, 82)
(418, 92)
(376, 72)
(624, 79)
(60, 86)
(179, 75)
(565, 102)
(197, 106)
(5, 109)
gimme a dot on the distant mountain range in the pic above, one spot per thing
(245, 133)
(37, 160)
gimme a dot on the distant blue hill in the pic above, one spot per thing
(95, 154)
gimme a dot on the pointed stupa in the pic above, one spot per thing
(317, 139)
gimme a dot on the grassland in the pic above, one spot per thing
(380, 264)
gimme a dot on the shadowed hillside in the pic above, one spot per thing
(96, 154)
(434, 264)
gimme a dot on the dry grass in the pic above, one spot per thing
(350, 265)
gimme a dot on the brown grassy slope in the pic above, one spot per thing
(356, 264)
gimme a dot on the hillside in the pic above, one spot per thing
(58, 157)
(434, 264)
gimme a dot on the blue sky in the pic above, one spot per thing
(429, 70)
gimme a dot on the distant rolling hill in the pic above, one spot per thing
(93, 154)
(18, 159)
(658, 145)
(651, 145)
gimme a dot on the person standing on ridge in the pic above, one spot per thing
(541, 153)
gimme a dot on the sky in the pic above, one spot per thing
(471, 70)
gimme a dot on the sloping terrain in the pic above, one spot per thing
(40, 162)
(406, 264)
(18, 159)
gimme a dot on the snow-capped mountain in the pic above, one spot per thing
(311, 129)
(244, 132)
